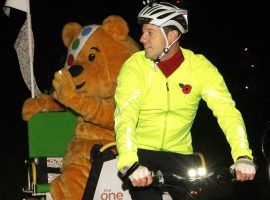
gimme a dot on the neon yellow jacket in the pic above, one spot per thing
(156, 113)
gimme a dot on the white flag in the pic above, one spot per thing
(18, 4)
(24, 45)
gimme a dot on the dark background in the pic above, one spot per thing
(221, 30)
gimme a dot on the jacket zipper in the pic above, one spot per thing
(167, 86)
(165, 122)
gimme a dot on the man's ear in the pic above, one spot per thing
(173, 35)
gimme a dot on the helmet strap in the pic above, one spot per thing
(167, 48)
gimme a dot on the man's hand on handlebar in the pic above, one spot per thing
(138, 175)
(141, 177)
(245, 169)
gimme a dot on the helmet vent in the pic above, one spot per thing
(165, 15)
(158, 11)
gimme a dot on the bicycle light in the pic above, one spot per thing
(198, 172)
(201, 171)
(192, 173)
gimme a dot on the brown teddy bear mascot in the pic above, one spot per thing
(85, 85)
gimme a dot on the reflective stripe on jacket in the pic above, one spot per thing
(156, 113)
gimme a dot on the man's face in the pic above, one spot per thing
(152, 40)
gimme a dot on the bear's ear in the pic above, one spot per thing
(116, 26)
(70, 32)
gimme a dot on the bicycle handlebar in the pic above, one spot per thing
(188, 185)
(178, 182)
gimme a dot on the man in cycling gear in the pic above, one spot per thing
(157, 97)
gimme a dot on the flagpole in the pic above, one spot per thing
(28, 16)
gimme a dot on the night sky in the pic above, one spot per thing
(221, 30)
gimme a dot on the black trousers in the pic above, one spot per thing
(167, 162)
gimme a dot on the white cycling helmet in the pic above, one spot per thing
(164, 14)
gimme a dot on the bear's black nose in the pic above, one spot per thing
(75, 70)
